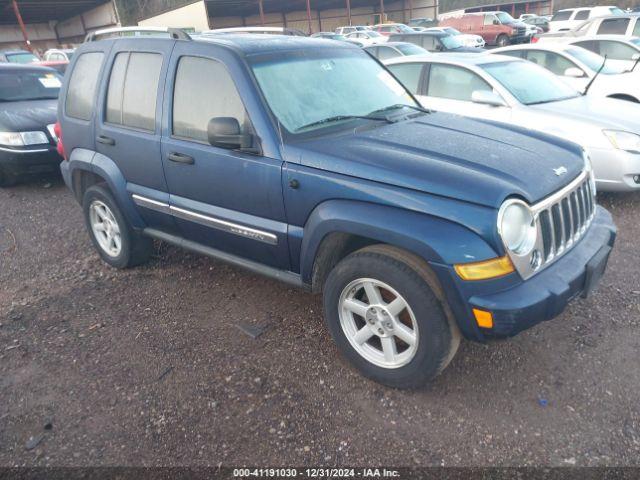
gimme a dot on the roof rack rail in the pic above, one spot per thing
(174, 33)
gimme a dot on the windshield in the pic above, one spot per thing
(504, 17)
(592, 60)
(25, 57)
(403, 28)
(529, 83)
(451, 42)
(20, 86)
(336, 80)
(635, 41)
(616, 11)
(411, 49)
(374, 34)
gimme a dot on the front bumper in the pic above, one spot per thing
(615, 169)
(517, 305)
(29, 161)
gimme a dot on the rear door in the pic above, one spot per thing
(128, 130)
(229, 200)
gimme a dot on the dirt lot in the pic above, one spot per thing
(148, 367)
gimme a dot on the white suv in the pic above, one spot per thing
(569, 18)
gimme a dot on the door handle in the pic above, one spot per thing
(181, 158)
(105, 140)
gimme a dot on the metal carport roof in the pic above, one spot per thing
(37, 11)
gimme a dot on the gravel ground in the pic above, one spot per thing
(148, 366)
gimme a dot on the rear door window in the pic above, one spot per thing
(614, 26)
(204, 90)
(582, 15)
(81, 93)
(455, 83)
(385, 53)
(409, 75)
(562, 16)
(550, 60)
(133, 90)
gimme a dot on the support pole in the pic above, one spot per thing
(410, 9)
(309, 16)
(16, 10)
(381, 11)
(261, 12)
(349, 11)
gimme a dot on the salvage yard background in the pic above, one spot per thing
(148, 366)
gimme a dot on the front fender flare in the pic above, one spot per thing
(434, 239)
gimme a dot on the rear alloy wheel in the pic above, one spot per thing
(382, 311)
(502, 41)
(117, 243)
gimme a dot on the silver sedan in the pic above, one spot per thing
(504, 89)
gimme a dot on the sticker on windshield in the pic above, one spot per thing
(50, 81)
(391, 82)
(327, 66)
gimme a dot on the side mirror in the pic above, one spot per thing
(487, 97)
(496, 22)
(573, 72)
(225, 132)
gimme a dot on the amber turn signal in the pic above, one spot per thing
(483, 319)
(496, 267)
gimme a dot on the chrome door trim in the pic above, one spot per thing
(206, 220)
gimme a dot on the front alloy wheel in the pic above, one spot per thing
(105, 228)
(378, 323)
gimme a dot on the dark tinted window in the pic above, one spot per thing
(82, 86)
(616, 26)
(582, 15)
(133, 90)
(408, 74)
(204, 90)
(561, 16)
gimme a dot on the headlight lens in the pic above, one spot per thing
(21, 139)
(516, 226)
(627, 141)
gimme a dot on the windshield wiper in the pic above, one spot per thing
(634, 65)
(337, 118)
(400, 105)
(586, 89)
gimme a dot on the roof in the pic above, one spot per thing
(22, 67)
(256, 44)
(460, 58)
(40, 11)
(428, 33)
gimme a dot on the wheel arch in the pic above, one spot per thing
(336, 228)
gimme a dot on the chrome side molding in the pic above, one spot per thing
(206, 220)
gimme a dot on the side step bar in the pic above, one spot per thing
(291, 278)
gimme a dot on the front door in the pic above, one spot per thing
(226, 199)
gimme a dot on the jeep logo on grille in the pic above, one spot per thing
(560, 171)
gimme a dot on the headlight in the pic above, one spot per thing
(21, 139)
(516, 226)
(627, 141)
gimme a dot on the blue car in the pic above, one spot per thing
(418, 228)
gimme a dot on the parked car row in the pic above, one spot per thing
(441, 197)
(54, 58)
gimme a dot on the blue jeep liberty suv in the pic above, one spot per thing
(307, 161)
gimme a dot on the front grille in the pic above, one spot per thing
(565, 218)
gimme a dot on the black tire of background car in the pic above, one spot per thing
(7, 179)
(439, 336)
(136, 249)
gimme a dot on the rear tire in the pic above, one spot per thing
(117, 243)
(402, 336)
(502, 40)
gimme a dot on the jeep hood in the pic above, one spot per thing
(472, 160)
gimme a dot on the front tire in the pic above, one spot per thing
(382, 312)
(7, 179)
(117, 243)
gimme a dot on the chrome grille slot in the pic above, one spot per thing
(564, 217)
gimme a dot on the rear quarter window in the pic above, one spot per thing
(614, 26)
(561, 16)
(81, 92)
